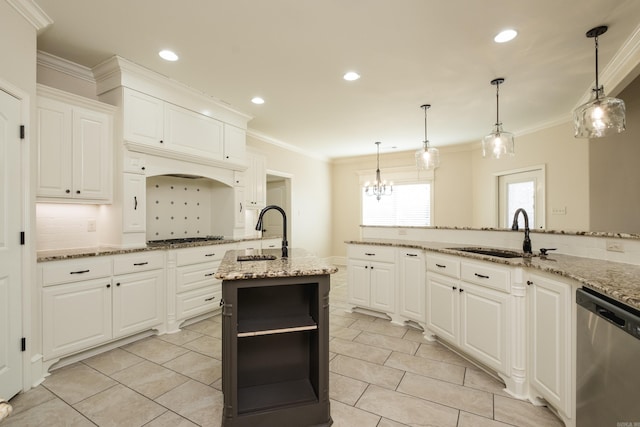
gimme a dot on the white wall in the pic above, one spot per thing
(310, 215)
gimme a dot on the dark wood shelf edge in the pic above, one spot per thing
(271, 396)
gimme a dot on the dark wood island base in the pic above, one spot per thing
(275, 348)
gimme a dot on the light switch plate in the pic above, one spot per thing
(559, 211)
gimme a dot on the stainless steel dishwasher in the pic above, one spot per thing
(608, 362)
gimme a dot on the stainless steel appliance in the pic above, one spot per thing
(608, 362)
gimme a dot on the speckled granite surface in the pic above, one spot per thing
(299, 263)
(55, 255)
(617, 280)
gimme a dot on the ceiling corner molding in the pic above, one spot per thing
(47, 60)
(269, 140)
(622, 70)
(33, 13)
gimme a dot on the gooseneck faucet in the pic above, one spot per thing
(526, 245)
(285, 250)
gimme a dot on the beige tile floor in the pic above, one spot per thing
(381, 375)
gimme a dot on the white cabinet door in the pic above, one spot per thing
(137, 302)
(91, 154)
(550, 346)
(192, 133)
(443, 313)
(134, 203)
(143, 118)
(256, 181)
(75, 316)
(383, 286)
(412, 284)
(358, 281)
(483, 325)
(235, 140)
(55, 170)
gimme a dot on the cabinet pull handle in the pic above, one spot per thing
(209, 254)
(77, 191)
(412, 254)
(366, 266)
(79, 272)
(529, 282)
(461, 290)
(240, 207)
(441, 266)
(221, 302)
(454, 287)
(67, 191)
(109, 285)
(141, 263)
(161, 142)
(209, 274)
(143, 168)
(118, 284)
(135, 203)
(210, 299)
(369, 254)
(482, 276)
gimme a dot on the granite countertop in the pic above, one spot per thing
(60, 254)
(617, 280)
(299, 263)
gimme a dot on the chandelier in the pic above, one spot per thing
(602, 115)
(427, 158)
(379, 188)
(498, 143)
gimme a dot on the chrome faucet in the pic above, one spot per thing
(285, 250)
(526, 245)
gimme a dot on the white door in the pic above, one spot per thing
(412, 285)
(383, 286)
(358, 282)
(442, 307)
(10, 252)
(276, 195)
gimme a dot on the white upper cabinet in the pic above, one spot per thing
(235, 140)
(74, 138)
(168, 128)
(256, 182)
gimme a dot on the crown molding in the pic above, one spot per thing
(284, 145)
(47, 60)
(33, 13)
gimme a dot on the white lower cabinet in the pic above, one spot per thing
(88, 302)
(371, 277)
(412, 284)
(550, 373)
(474, 318)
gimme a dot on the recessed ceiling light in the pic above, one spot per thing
(505, 36)
(168, 55)
(351, 76)
(257, 100)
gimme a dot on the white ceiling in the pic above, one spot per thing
(293, 53)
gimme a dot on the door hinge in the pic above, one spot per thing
(23, 344)
(22, 237)
(21, 131)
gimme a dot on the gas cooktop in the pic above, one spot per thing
(183, 240)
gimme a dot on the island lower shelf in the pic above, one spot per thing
(275, 352)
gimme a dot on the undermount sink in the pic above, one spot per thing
(500, 253)
(256, 257)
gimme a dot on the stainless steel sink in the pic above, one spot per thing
(258, 257)
(500, 253)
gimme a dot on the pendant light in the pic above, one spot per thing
(427, 158)
(602, 115)
(498, 143)
(379, 188)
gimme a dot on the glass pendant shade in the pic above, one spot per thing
(601, 116)
(427, 158)
(498, 144)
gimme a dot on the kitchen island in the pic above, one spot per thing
(275, 343)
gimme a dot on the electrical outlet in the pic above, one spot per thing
(91, 225)
(613, 246)
(559, 211)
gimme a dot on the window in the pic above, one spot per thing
(521, 189)
(408, 205)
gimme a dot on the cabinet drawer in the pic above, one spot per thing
(250, 244)
(373, 253)
(189, 304)
(272, 244)
(75, 270)
(487, 276)
(144, 261)
(196, 276)
(444, 265)
(200, 254)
